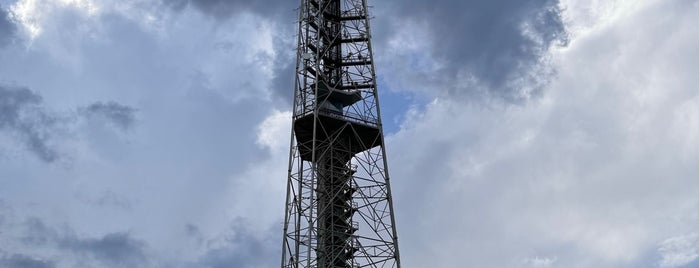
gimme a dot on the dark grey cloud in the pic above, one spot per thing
(285, 63)
(114, 250)
(7, 28)
(120, 115)
(242, 249)
(222, 9)
(501, 44)
(497, 42)
(192, 144)
(111, 199)
(24, 261)
(37, 233)
(283, 13)
(21, 113)
(238, 246)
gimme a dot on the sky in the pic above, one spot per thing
(537, 133)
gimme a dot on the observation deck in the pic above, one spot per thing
(333, 123)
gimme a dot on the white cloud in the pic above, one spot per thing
(272, 131)
(540, 261)
(598, 171)
(679, 251)
(586, 16)
(198, 106)
(591, 172)
(32, 14)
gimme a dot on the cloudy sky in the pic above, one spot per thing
(539, 133)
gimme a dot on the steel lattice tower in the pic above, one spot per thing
(339, 211)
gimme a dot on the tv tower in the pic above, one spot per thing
(339, 211)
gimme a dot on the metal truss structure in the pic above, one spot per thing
(339, 211)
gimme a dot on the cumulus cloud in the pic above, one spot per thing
(591, 173)
(472, 48)
(201, 86)
(493, 48)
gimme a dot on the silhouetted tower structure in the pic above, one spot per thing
(339, 211)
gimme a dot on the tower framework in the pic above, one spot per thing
(339, 211)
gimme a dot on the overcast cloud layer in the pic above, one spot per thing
(522, 133)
